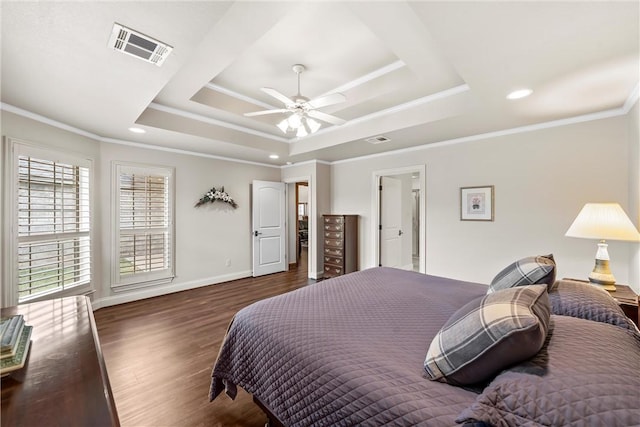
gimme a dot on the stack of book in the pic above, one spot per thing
(15, 338)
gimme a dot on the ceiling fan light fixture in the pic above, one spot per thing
(295, 121)
(284, 125)
(301, 132)
(299, 123)
(313, 125)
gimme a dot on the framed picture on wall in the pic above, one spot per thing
(476, 203)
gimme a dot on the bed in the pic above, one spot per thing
(351, 351)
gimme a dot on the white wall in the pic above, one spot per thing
(323, 203)
(303, 194)
(316, 174)
(541, 178)
(206, 237)
(292, 211)
(634, 193)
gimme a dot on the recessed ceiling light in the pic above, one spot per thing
(137, 130)
(520, 93)
(274, 156)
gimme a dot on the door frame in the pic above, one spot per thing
(375, 210)
(311, 251)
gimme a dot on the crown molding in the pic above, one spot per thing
(306, 162)
(631, 100)
(186, 152)
(483, 136)
(45, 120)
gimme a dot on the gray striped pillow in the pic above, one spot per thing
(489, 334)
(526, 271)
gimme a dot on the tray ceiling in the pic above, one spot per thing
(415, 72)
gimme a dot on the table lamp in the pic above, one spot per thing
(603, 221)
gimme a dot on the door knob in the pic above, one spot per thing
(400, 233)
(256, 233)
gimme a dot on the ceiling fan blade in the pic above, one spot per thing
(326, 117)
(277, 95)
(323, 101)
(264, 112)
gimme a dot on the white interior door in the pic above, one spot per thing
(391, 222)
(269, 233)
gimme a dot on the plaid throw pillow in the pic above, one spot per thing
(526, 271)
(489, 334)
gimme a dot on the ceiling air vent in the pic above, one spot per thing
(377, 139)
(136, 44)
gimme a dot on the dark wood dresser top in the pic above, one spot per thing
(64, 381)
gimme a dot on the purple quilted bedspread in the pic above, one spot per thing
(347, 351)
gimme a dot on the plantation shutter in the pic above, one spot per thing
(53, 223)
(144, 225)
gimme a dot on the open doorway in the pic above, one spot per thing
(398, 213)
(302, 224)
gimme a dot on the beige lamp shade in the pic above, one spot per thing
(603, 221)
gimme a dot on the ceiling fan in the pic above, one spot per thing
(303, 110)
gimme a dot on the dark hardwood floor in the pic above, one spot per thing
(160, 352)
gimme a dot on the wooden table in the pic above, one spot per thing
(628, 301)
(64, 381)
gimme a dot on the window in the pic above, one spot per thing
(144, 226)
(51, 206)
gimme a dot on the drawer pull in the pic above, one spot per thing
(331, 235)
(331, 220)
(333, 260)
(332, 270)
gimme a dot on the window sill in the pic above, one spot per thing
(123, 287)
(78, 290)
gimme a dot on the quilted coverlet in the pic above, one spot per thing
(347, 351)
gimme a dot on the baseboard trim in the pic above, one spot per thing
(317, 275)
(137, 295)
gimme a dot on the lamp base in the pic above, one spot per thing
(606, 286)
(601, 275)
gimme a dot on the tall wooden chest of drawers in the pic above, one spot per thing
(340, 237)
